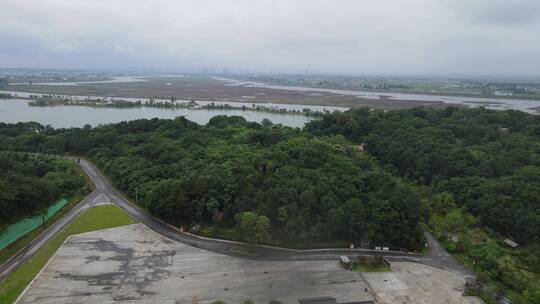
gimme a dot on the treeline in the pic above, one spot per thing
(488, 161)
(31, 183)
(52, 101)
(6, 95)
(310, 188)
(58, 100)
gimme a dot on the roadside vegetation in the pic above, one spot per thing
(96, 218)
(514, 272)
(29, 185)
(370, 264)
(20, 243)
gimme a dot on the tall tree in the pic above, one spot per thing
(253, 227)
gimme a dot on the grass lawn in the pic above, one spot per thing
(97, 218)
(369, 267)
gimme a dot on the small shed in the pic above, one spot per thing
(511, 243)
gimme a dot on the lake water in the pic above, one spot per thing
(17, 110)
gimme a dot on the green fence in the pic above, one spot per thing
(15, 231)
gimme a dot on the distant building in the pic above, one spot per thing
(511, 243)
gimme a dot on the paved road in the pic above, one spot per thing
(440, 258)
(104, 191)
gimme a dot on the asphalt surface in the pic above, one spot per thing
(104, 191)
(440, 258)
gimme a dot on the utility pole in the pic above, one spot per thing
(137, 195)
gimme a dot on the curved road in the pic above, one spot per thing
(437, 257)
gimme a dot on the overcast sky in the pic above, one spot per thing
(430, 37)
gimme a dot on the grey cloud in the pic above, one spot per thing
(498, 12)
(344, 36)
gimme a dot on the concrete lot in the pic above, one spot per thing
(132, 264)
(412, 283)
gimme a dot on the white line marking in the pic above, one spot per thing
(94, 201)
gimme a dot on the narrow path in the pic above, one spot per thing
(438, 257)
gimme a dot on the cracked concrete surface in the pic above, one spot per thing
(133, 264)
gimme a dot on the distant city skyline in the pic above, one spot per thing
(461, 38)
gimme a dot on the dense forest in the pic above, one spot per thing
(487, 161)
(478, 174)
(310, 188)
(31, 183)
(372, 177)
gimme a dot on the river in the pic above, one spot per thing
(525, 105)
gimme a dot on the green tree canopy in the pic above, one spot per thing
(252, 227)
